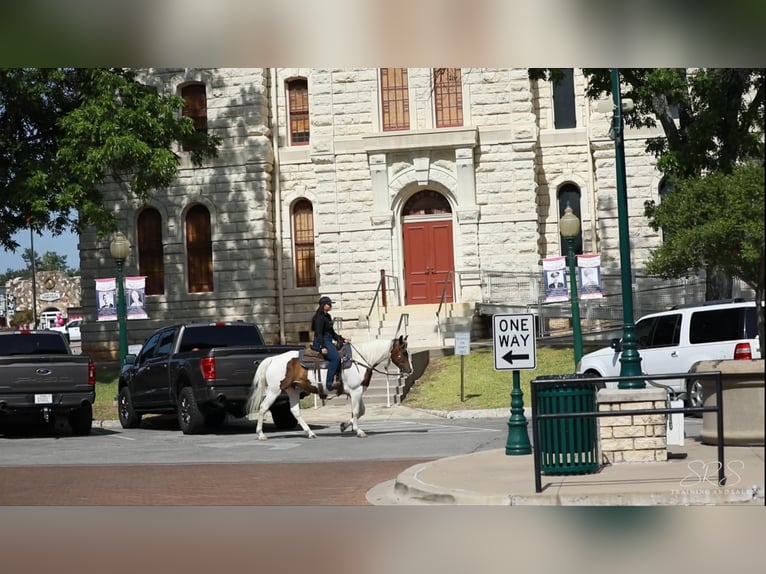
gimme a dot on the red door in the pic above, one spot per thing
(428, 259)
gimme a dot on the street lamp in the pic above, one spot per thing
(120, 249)
(569, 226)
(630, 360)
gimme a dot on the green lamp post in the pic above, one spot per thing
(630, 360)
(120, 250)
(569, 227)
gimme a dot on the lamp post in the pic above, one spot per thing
(120, 249)
(630, 360)
(569, 226)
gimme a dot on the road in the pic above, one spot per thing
(157, 465)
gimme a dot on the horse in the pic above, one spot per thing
(284, 372)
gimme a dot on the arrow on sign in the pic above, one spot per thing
(509, 357)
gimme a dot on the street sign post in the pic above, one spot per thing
(514, 349)
(462, 348)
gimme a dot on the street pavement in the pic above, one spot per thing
(491, 477)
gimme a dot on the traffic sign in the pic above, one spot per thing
(514, 344)
(462, 343)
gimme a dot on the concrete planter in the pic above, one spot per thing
(743, 402)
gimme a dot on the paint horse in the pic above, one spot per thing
(284, 372)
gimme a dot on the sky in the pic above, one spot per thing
(65, 244)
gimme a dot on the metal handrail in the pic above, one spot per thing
(380, 289)
(403, 318)
(448, 280)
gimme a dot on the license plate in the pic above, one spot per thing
(44, 399)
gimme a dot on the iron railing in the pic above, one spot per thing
(539, 418)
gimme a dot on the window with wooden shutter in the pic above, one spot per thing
(303, 244)
(448, 97)
(151, 262)
(395, 99)
(195, 106)
(298, 103)
(199, 250)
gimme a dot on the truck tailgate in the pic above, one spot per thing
(36, 373)
(236, 365)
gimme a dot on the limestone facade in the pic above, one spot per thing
(500, 172)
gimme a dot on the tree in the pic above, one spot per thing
(64, 133)
(48, 261)
(720, 124)
(715, 220)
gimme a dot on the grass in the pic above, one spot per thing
(106, 391)
(483, 386)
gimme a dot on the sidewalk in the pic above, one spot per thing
(493, 478)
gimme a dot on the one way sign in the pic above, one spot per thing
(514, 344)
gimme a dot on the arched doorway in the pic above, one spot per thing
(428, 250)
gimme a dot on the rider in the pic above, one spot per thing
(325, 337)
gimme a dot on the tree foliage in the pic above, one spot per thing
(66, 132)
(714, 220)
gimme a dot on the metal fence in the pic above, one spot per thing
(526, 292)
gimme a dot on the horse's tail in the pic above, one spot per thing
(258, 389)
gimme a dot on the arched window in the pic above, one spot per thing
(564, 101)
(298, 110)
(303, 244)
(448, 97)
(569, 195)
(426, 202)
(199, 250)
(195, 106)
(395, 99)
(151, 262)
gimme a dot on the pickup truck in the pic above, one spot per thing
(40, 379)
(200, 372)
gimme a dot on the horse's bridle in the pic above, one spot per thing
(372, 367)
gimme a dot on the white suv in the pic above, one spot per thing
(672, 341)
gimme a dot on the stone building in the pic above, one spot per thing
(325, 177)
(57, 293)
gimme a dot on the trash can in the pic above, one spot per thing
(567, 445)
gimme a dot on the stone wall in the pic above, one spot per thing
(632, 438)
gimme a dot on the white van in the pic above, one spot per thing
(672, 341)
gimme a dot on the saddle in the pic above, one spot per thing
(313, 359)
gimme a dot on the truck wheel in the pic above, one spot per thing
(282, 417)
(81, 420)
(129, 418)
(190, 417)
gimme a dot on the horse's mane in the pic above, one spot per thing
(372, 352)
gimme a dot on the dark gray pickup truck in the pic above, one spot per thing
(40, 379)
(201, 372)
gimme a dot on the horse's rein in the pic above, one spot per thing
(372, 367)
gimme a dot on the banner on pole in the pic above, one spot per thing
(589, 267)
(106, 298)
(135, 291)
(555, 279)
